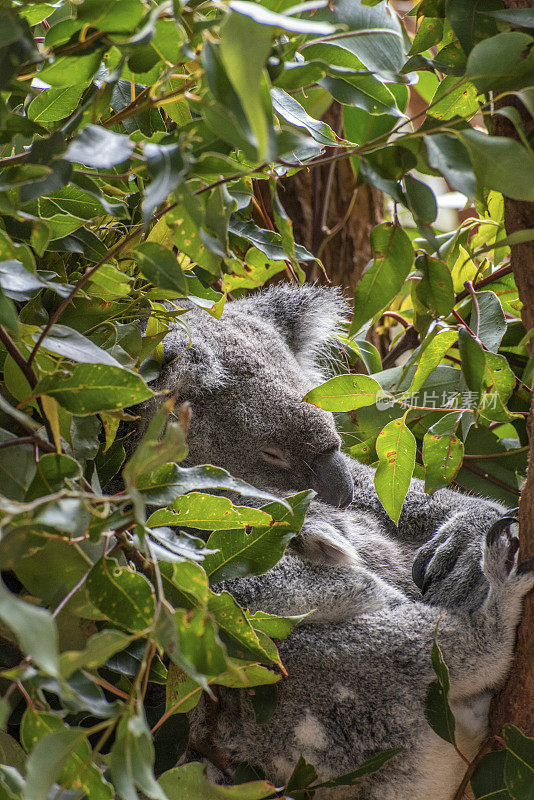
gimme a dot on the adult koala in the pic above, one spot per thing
(356, 685)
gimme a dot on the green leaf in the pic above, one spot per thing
(53, 469)
(291, 110)
(380, 49)
(36, 14)
(8, 314)
(52, 104)
(432, 352)
(503, 62)
(488, 320)
(501, 163)
(395, 447)
(274, 626)
(168, 168)
(70, 344)
(185, 222)
(240, 553)
(123, 595)
(421, 200)
(72, 70)
(190, 781)
(191, 582)
(517, 17)
(108, 15)
(488, 778)
(442, 457)
(47, 760)
(244, 49)
(95, 146)
(77, 771)
(266, 241)
(208, 512)
(468, 23)
(132, 758)
(301, 777)
(100, 647)
(161, 267)
(344, 393)
(473, 360)
(429, 33)
(251, 273)
(108, 283)
(454, 97)
(384, 277)
(264, 16)
(519, 763)
(435, 290)
(368, 767)
(20, 284)
(34, 628)
(363, 92)
(91, 388)
(170, 481)
(448, 155)
(437, 709)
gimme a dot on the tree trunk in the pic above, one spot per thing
(332, 217)
(515, 703)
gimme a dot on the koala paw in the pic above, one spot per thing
(500, 564)
(445, 553)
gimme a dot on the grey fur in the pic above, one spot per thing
(360, 666)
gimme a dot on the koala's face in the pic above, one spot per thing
(245, 376)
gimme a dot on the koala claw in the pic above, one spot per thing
(500, 558)
(499, 527)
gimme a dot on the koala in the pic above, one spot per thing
(359, 666)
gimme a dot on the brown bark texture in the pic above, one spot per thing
(332, 217)
(515, 702)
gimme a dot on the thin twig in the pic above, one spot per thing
(18, 358)
(464, 323)
(495, 276)
(393, 314)
(36, 440)
(491, 478)
(482, 456)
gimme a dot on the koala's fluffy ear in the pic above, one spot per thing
(307, 317)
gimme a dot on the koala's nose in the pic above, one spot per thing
(332, 479)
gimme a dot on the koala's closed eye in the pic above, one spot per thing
(275, 456)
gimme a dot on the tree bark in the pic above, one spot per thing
(332, 217)
(515, 703)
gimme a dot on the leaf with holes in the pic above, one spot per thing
(207, 512)
(442, 457)
(123, 595)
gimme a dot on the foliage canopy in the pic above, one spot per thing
(135, 136)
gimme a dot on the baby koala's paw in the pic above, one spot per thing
(500, 563)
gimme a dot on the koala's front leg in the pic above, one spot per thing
(481, 651)
(333, 593)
